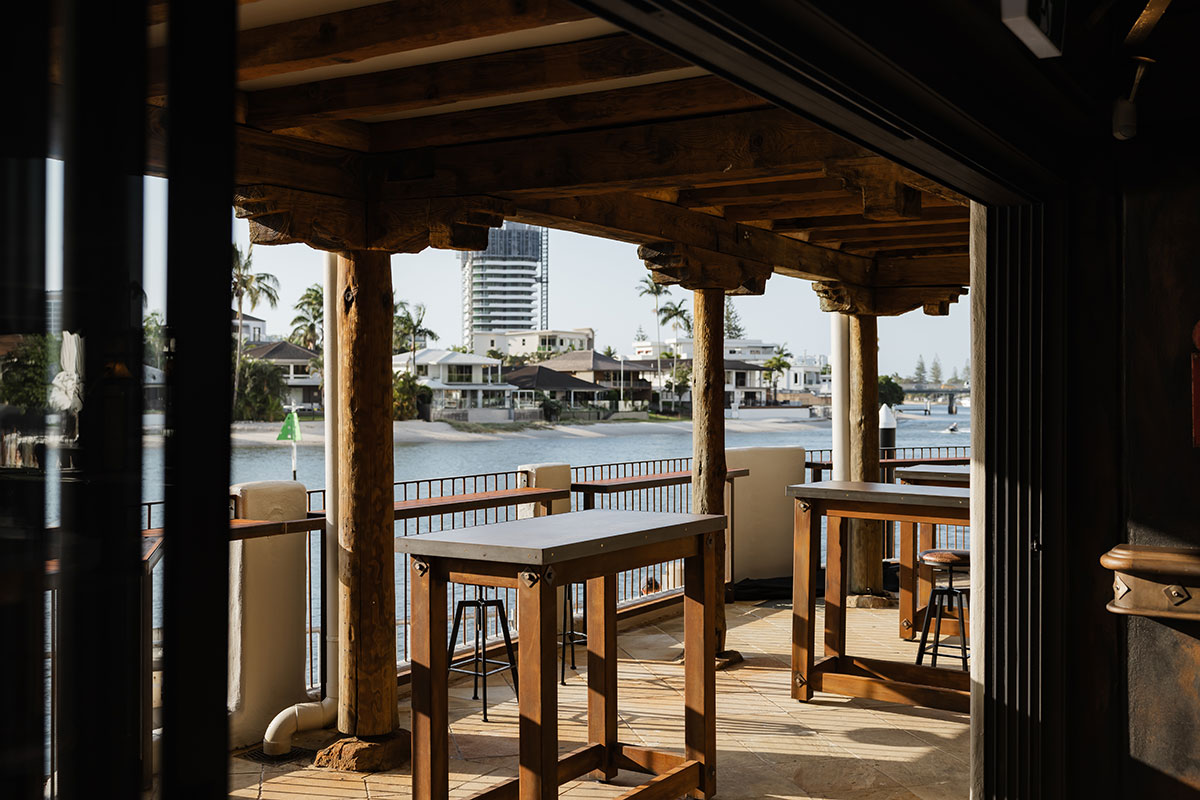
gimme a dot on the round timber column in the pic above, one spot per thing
(367, 608)
(708, 424)
(866, 536)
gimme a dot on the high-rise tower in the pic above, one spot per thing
(506, 286)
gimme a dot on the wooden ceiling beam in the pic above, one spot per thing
(641, 220)
(588, 111)
(929, 271)
(812, 224)
(893, 231)
(430, 85)
(679, 154)
(356, 34)
(900, 243)
(847, 204)
(759, 193)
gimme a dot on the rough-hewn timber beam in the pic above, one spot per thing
(657, 101)
(905, 231)
(632, 218)
(455, 223)
(885, 195)
(931, 271)
(830, 223)
(886, 302)
(746, 145)
(356, 34)
(673, 263)
(426, 85)
(763, 192)
(280, 215)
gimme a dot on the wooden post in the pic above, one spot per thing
(866, 538)
(367, 703)
(708, 425)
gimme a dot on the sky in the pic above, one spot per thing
(593, 284)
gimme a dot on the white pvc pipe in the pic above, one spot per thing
(839, 363)
(310, 716)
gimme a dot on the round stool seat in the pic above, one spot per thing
(946, 558)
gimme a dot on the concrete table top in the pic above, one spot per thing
(891, 493)
(540, 541)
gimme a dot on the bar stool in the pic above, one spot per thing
(479, 664)
(569, 635)
(941, 598)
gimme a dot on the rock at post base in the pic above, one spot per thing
(367, 755)
(870, 601)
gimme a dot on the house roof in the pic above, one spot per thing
(430, 355)
(585, 361)
(245, 317)
(538, 376)
(281, 351)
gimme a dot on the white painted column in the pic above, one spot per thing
(839, 363)
(329, 556)
(979, 372)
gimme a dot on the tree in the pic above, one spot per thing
(25, 374)
(252, 286)
(935, 372)
(308, 326)
(966, 373)
(733, 321)
(677, 314)
(919, 372)
(775, 365)
(154, 339)
(954, 379)
(261, 391)
(404, 395)
(640, 336)
(648, 288)
(890, 391)
(408, 325)
(610, 352)
(494, 353)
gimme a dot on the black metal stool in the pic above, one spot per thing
(941, 598)
(480, 664)
(569, 635)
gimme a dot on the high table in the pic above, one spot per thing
(935, 475)
(839, 672)
(535, 556)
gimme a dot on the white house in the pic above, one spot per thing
(466, 387)
(751, 350)
(808, 374)
(746, 384)
(530, 342)
(302, 381)
(254, 329)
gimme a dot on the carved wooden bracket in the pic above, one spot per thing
(848, 298)
(693, 268)
(280, 215)
(450, 223)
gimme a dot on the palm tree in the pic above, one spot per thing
(778, 363)
(309, 322)
(677, 314)
(647, 287)
(255, 287)
(408, 325)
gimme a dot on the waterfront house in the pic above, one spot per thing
(254, 329)
(746, 384)
(466, 387)
(536, 344)
(537, 381)
(300, 374)
(611, 373)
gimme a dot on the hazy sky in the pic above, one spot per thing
(592, 284)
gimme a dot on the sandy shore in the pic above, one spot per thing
(412, 431)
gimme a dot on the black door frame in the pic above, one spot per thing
(944, 90)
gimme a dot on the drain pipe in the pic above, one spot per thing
(322, 714)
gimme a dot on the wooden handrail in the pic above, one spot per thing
(476, 501)
(637, 482)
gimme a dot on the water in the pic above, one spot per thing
(253, 462)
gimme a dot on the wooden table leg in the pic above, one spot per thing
(925, 539)
(538, 703)
(836, 563)
(699, 664)
(430, 714)
(602, 670)
(806, 557)
(908, 580)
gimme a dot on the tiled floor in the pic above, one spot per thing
(769, 746)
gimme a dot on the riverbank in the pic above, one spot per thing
(418, 432)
